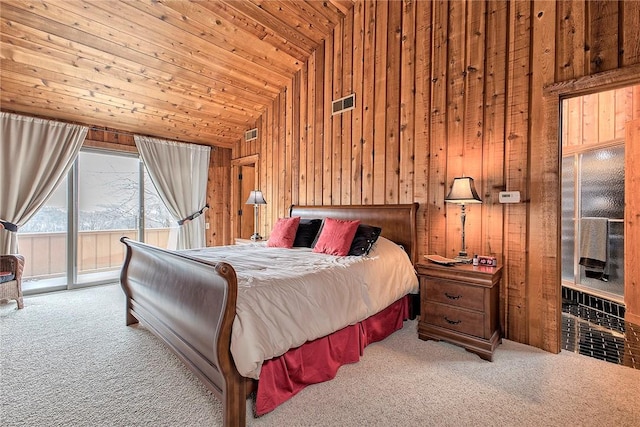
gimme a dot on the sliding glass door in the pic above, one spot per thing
(157, 219)
(43, 243)
(108, 208)
(74, 240)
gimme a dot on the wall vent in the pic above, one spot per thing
(343, 104)
(250, 135)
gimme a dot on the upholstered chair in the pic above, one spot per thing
(11, 268)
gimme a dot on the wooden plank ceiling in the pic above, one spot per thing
(195, 71)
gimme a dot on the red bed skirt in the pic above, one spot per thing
(319, 360)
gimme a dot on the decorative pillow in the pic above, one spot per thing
(365, 237)
(336, 236)
(307, 232)
(283, 233)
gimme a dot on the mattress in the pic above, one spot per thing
(287, 297)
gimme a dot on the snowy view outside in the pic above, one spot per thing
(108, 198)
(108, 208)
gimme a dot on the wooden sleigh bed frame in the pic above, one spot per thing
(190, 304)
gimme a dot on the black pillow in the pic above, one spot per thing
(365, 237)
(306, 234)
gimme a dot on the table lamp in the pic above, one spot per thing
(463, 192)
(256, 199)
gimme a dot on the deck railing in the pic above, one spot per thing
(46, 253)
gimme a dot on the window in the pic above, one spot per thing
(109, 208)
(593, 187)
(43, 243)
(593, 132)
(157, 219)
(99, 202)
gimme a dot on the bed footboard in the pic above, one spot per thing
(190, 304)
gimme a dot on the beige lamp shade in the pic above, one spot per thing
(256, 198)
(463, 191)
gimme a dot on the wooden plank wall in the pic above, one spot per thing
(444, 89)
(597, 119)
(632, 222)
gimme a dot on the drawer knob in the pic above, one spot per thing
(448, 295)
(452, 322)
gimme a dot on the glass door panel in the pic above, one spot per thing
(568, 219)
(43, 243)
(602, 196)
(593, 187)
(108, 208)
(157, 219)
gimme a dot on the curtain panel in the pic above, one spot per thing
(179, 172)
(35, 156)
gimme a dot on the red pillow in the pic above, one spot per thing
(336, 236)
(284, 233)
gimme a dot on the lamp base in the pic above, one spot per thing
(256, 237)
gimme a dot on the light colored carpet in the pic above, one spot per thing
(67, 359)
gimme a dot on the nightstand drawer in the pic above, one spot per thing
(459, 320)
(454, 293)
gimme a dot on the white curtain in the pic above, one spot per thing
(35, 155)
(179, 172)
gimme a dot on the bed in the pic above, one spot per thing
(190, 303)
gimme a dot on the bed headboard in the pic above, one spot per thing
(398, 222)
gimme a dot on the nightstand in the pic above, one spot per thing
(460, 304)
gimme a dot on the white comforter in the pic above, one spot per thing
(289, 296)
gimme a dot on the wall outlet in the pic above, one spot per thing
(206, 225)
(509, 197)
